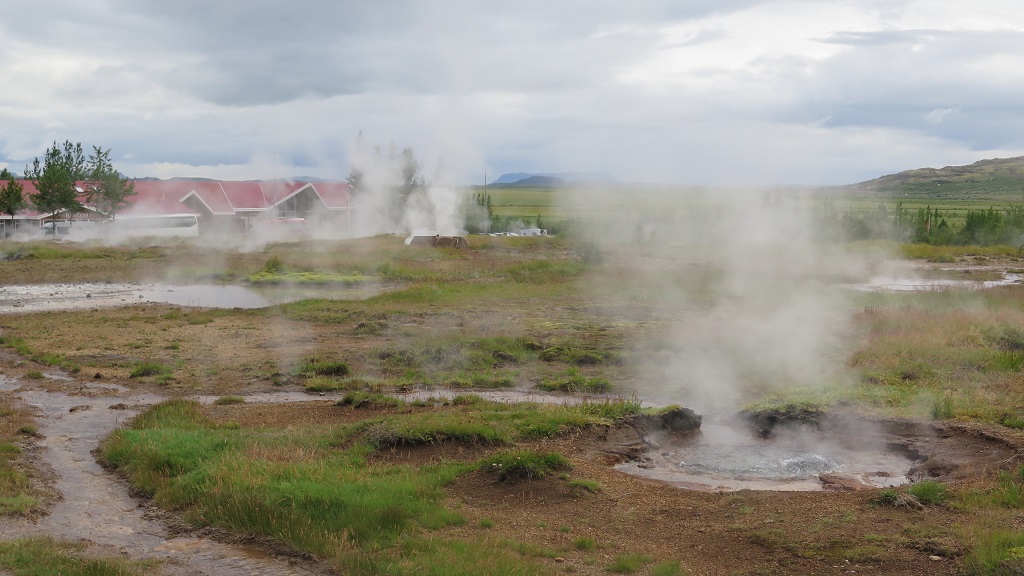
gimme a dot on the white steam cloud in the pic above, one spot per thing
(745, 299)
(392, 197)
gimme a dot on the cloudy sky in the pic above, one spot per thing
(689, 91)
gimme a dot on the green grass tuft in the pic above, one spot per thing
(582, 485)
(929, 492)
(317, 366)
(522, 465)
(148, 368)
(628, 563)
(227, 400)
(46, 556)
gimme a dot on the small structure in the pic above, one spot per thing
(438, 241)
(533, 232)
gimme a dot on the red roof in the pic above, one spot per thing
(158, 197)
(219, 197)
(333, 194)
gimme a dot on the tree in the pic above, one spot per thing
(409, 172)
(105, 188)
(54, 178)
(355, 177)
(11, 198)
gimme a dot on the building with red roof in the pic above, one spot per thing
(219, 205)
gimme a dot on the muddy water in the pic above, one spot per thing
(726, 455)
(97, 507)
(50, 297)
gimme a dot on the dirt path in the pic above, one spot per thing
(96, 507)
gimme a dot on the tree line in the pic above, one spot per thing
(56, 179)
(980, 227)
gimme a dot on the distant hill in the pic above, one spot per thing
(995, 178)
(553, 179)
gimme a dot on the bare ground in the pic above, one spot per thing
(745, 532)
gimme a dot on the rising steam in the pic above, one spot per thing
(392, 197)
(745, 296)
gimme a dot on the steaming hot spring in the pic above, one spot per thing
(799, 450)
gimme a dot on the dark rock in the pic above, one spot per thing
(671, 420)
(764, 422)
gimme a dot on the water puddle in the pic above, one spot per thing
(904, 284)
(726, 455)
(97, 507)
(51, 297)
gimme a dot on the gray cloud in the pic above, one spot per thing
(704, 91)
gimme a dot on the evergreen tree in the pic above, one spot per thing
(106, 189)
(54, 179)
(12, 200)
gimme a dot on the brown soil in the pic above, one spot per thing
(745, 532)
(574, 530)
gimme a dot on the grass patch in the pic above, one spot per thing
(929, 492)
(45, 358)
(483, 422)
(573, 381)
(628, 563)
(319, 366)
(522, 465)
(49, 557)
(942, 408)
(582, 485)
(16, 344)
(19, 495)
(275, 271)
(147, 368)
(585, 544)
(996, 553)
(229, 400)
(333, 384)
(369, 400)
(300, 486)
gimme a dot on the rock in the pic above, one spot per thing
(842, 483)
(79, 408)
(764, 422)
(674, 419)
